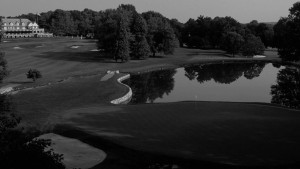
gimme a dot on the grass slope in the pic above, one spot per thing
(237, 133)
(229, 133)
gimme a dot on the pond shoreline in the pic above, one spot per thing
(213, 61)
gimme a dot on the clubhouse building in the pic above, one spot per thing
(21, 28)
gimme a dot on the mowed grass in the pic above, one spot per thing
(232, 133)
(57, 60)
(51, 56)
(46, 104)
(228, 133)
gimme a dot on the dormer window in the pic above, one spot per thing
(17, 23)
(23, 24)
(11, 24)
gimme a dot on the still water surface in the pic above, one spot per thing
(230, 82)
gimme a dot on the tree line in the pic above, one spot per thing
(124, 33)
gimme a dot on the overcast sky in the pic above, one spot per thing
(242, 10)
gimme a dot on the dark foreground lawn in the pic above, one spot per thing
(226, 133)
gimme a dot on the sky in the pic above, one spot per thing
(242, 10)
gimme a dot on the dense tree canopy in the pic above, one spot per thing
(206, 32)
(287, 92)
(263, 31)
(145, 33)
(140, 47)
(160, 37)
(63, 23)
(287, 37)
(158, 34)
(122, 44)
(252, 46)
(232, 42)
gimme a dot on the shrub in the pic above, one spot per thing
(34, 74)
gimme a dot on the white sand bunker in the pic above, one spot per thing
(76, 153)
(17, 47)
(109, 74)
(8, 88)
(39, 46)
(259, 56)
(95, 50)
(75, 47)
(5, 41)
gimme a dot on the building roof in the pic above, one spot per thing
(15, 20)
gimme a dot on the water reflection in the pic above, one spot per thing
(287, 90)
(150, 86)
(232, 82)
(224, 73)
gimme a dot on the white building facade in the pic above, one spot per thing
(21, 28)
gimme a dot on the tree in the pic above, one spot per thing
(32, 17)
(262, 30)
(107, 26)
(197, 32)
(45, 20)
(178, 29)
(287, 92)
(287, 37)
(62, 23)
(139, 47)
(34, 74)
(19, 149)
(232, 42)
(160, 37)
(122, 43)
(252, 46)
(208, 33)
(3, 63)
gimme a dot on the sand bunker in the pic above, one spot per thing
(17, 47)
(75, 47)
(76, 153)
(8, 88)
(259, 56)
(95, 50)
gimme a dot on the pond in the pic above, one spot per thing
(226, 82)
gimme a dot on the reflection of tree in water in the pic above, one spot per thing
(224, 73)
(18, 149)
(287, 90)
(150, 86)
